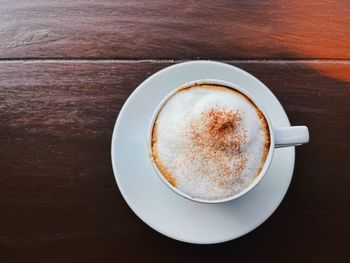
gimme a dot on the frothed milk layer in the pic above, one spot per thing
(210, 141)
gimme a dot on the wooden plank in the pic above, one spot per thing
(175, 29)
(58, 198)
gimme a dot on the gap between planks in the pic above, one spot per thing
(167, 60)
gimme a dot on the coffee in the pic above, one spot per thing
(210, 141)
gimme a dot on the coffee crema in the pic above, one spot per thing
(210, 141)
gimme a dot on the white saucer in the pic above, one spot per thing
(156, 204)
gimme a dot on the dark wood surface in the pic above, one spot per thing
(66, 69)
(175, 29)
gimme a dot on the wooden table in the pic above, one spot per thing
(67, 67)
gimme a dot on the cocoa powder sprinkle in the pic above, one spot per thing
(216, 137)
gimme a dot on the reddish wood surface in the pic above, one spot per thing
(221, 29)
(58, 198)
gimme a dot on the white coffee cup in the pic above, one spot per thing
(279, 137)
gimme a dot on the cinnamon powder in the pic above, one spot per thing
(217, 139)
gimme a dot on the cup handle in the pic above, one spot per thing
(291, 136)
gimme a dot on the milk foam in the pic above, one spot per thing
(198, 170)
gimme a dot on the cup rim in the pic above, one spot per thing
(226, 84)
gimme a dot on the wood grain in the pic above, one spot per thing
(175, 29)
(58, 198)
